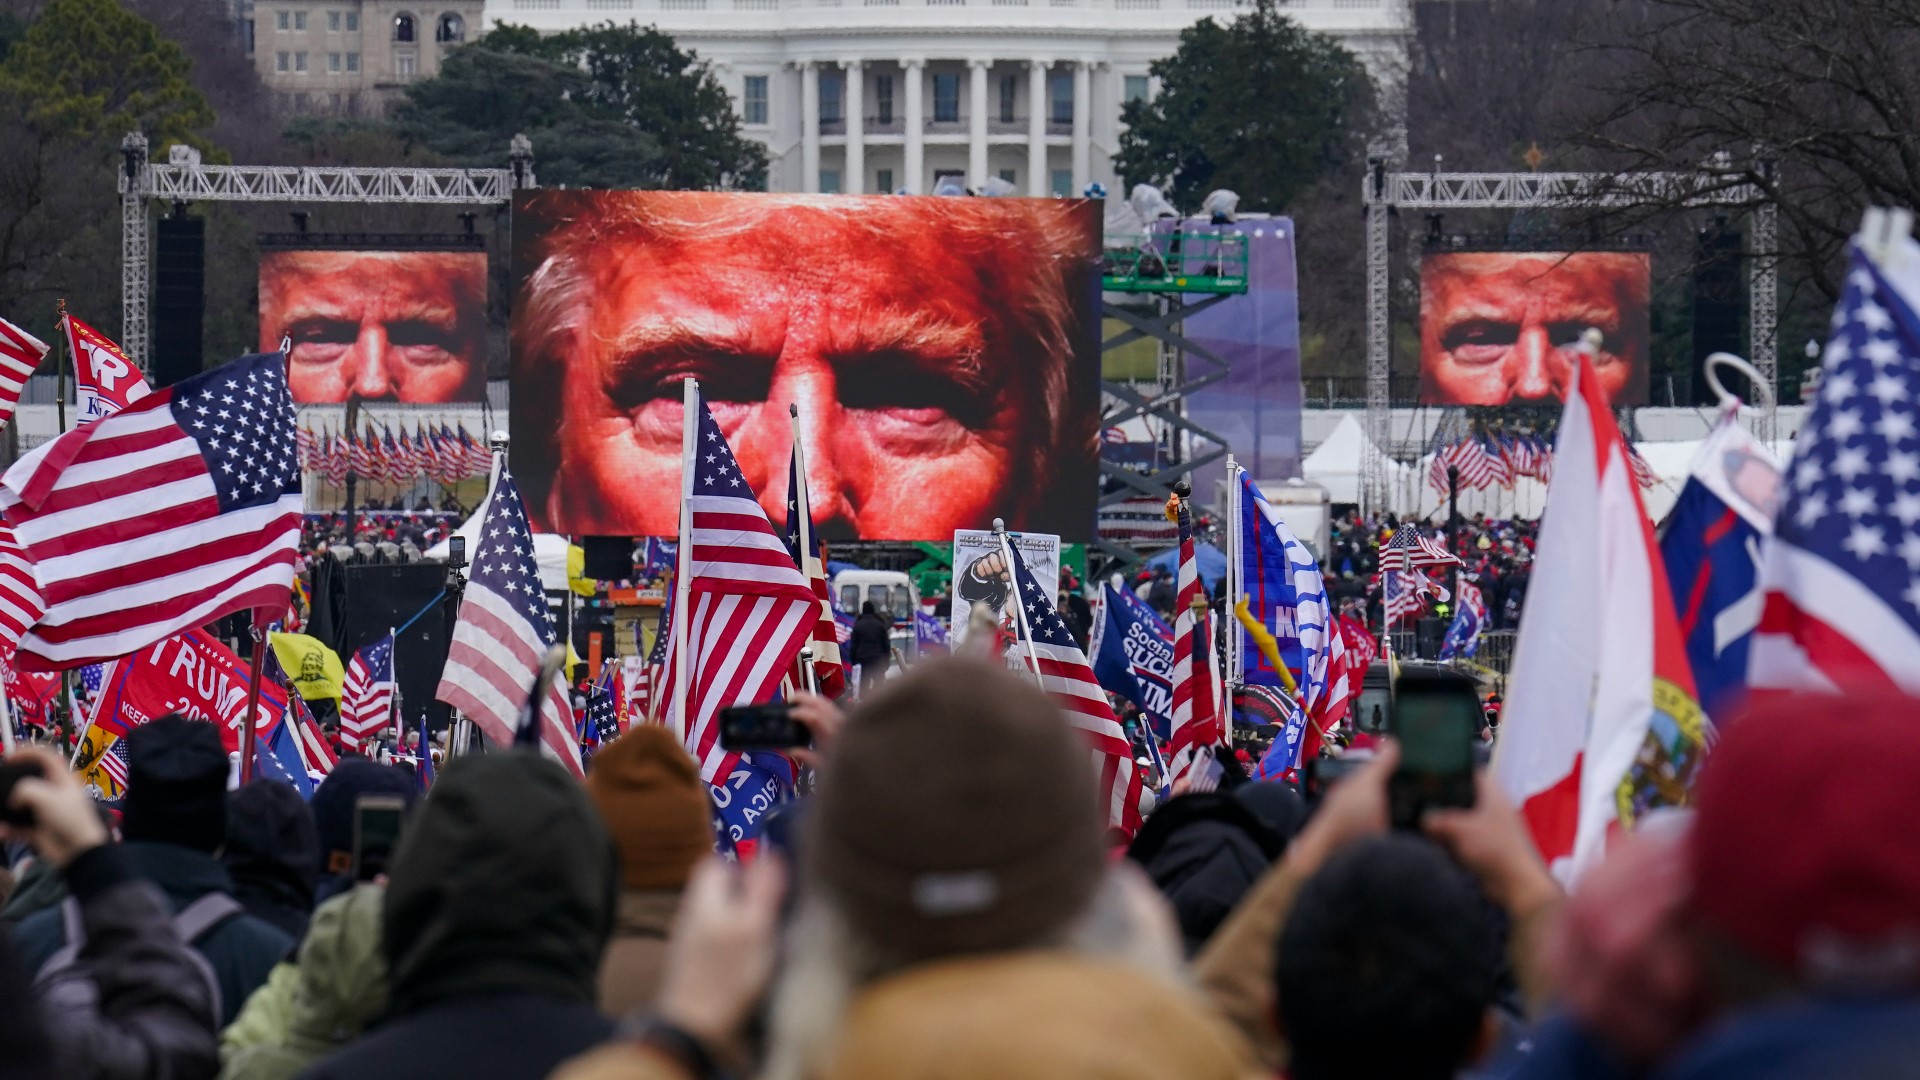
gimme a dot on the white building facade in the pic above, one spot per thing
(863, 96)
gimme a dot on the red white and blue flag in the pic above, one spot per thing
(1841, 576)
(106, 381)
(20, 356)
(1196, 707)
(504, 630)
(162, 517)
(1065, 675)
(366, 694)
(749, 609)
(828, 672)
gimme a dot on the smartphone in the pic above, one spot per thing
(762, 727)
(376, 832)
(1436, 719)
(11, 773)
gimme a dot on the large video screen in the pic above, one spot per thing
(1501, 328)
(943, 353)
(381, 325)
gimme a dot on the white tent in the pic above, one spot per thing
(549, 549)
(1336, 464)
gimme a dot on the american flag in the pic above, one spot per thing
(303, 449)
(749, 608)
(20, 355)
(1196, 720)
(504, 630)
(828, 672)
(479, 457)
(1065, 674)
(1498, 472)
(602, 723)
(359, 456)
(366, 694)
(1409, 548)
(1406, 593)
(1643, 473)
(180, 509)
(336, 460)
(646, 698)
(1841, 576)
(114, 761)
(20, 602)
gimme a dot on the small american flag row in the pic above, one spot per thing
(397, 457)
(1495, 459)
(503, 632)
(180, 509)
(1065, 674)
(366, 694)
(749, 610)
(1196, 720)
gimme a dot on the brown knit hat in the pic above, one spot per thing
(650, 795)
(956, 814)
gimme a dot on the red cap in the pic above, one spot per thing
(1805, 845)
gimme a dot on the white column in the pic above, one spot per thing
(809, 127)
(1082, 125)
(914, 121)
(1037, 128)
(977, 123)
(853, 180)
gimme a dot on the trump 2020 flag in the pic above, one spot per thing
(1463, 634)
(1842, 573)
(1601, 723)
(1133, 656)
(1712, 545)
(105, 379)
(162, 517)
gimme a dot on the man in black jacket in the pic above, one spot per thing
(174, 819)
(871, 646)
(498, 908)
(152, 1014)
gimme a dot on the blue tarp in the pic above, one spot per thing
(1213, 563)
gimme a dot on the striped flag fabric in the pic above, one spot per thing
(20, 356)
(504, 630)
(114, 762)
(21, 604)
(1499, 473)
(334, 465)
(162, 517)
(646, 695)
(1410, 548)
(359, 458)
(1196, 719)
(828, 672)
(366, 694)
(479, 457)
(749, 609)
(1066, 676)
(1840, 578)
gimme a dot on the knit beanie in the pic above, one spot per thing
(956, 814)
(334, 801)
(176, 784)
(649, 793)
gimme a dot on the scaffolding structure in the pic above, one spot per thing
(1385, 192)
(183, 179)
(1177, 274)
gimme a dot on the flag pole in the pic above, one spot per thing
(1019, 607)
(689, 426)
(64, 334)
(6, 726)
(803, 503)
(250, 721)
(1236, 675)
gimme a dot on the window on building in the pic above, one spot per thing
(1009, 86)
(753, 99)
(830, 181)
(283, 61)
(883, 181)
(282, 20)
(403, 27)
(450, 28)
(403, 65)
(353, 61)
(830, 98)
(946, 97)
(353, 22)
(333, 62)
(333, 22)
(883, 98)
(1063, 181)
(1008, 175)
(299, 62)
(1134, 88)
(299, 20)
(334, 103)
(1060, 99)
(249, 27)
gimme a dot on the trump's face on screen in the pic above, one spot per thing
(940, 352)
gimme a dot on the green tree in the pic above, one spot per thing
(1261, 106)
(605, 106)
(89, 69)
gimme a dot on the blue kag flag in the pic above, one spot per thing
(1133, 656)
(275, 756)
(929, 633)
(1463, 634)
(1712, 548)
(1286, 591)
(760, 781)
(1270, 706)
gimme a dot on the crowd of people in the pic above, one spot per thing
(946, 902)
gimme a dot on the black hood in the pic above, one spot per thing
(505, 882)
(273, 853)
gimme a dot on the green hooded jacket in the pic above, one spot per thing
(310, 1009)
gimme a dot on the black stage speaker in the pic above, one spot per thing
(1719, 303)
(179, 298)
(607, 558)
(383, 597)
